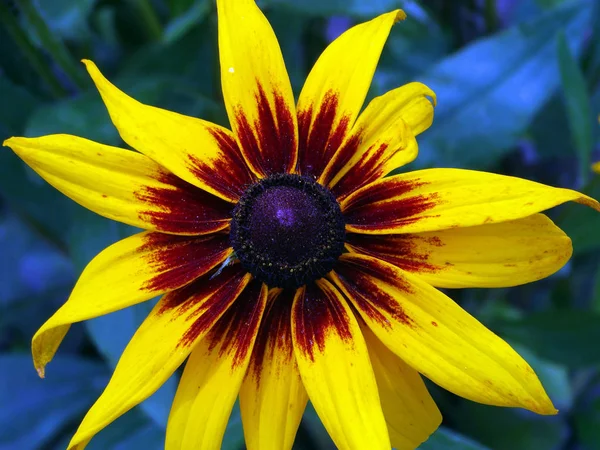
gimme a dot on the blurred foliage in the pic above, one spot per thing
(518, 86)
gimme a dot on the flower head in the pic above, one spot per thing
(291, 268)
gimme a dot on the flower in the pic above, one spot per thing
(290, 268)
(596, 167)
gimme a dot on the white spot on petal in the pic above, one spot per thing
(231, 70)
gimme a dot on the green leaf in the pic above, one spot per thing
(587, 426)
(567, 337)
(16, 105)
(185, 22)
(581, 223)
(577, 103)
(510, 428)
(489, 92)
(447, 439)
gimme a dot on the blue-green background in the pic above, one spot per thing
(518, 85)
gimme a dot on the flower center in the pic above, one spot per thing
(287, 230)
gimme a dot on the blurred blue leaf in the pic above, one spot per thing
(446, 439)
(357, 8)
(112, 332)
(133, 430)
(35, 277)
(32, 410)
(407, 53)
(489, 92)
(577, 101)
(67, 18)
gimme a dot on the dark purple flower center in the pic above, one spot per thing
(287, 230)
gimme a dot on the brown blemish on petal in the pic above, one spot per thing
(177, 260)
(361, 278)
(434, 323)
(184, 208)
(401, 250)
(319, 135)
(228, 173)
(205, 300)
(388, 205)
(318, 315)
(235, 332)
(270, 143)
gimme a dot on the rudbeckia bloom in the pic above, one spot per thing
(291, 268)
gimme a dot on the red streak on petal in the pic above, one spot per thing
(236, 330)
(360, 278)
(185, 208)
(275, 335)
(319, 137)
(178, 260)
(379, 206)
(270, 143)
(342, 157)
(318, 315)
(401, 250)
(367, 170)
(205, 300)
(229, 173)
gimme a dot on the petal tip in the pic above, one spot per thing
(400, 16)
(8, 142)
(589, 201)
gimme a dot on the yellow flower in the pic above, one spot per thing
(596, 167)
(292, 270)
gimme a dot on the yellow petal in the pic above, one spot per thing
(256, 88)
(272, 397)
(410, 412)
(436, 337)
(175, 325)
(199, 152)
(438, 199)
(128, 272)
(335, 90)
(596, 167)
(382, 139)
(121, 185)
(335, 368)
(213, 375)
(494, 255)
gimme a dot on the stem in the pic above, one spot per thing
(33, 56)
(53, 46)
(149, 18)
